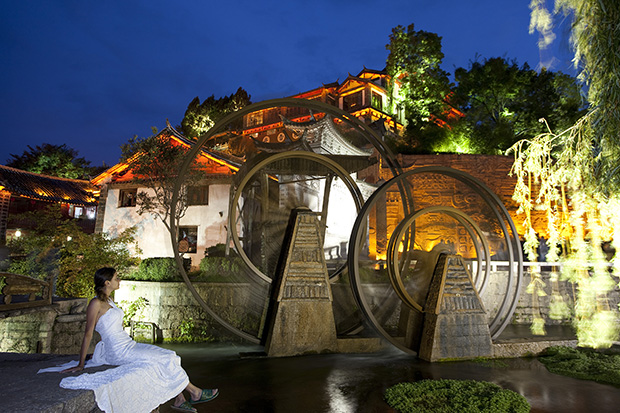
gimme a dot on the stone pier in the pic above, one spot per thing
(455, 323)
(302, 319)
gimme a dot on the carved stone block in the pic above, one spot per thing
(302, 318)
(455, 323)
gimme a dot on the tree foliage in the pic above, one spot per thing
(200, 117)
(504, 103)
(419, 86)
(60, 248)
(54, 160)
(499, 102)
(155, 163)
(37, 251)
(572, 174)
(82, 254)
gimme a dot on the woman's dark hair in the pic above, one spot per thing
(101, 276)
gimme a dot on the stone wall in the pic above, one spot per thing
(492, 170)
(171, 304)
(58, 328)
(27, 332)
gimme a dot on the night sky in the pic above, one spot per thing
(92, 74)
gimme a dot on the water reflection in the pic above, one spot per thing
(347, 383)
(338, 382)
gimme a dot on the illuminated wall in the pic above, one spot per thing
(153, 237)
(432, 189)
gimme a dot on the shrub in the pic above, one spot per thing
(217, 250)
(190, 332)
(586, 364)
(156, 269)
(38, 258)
(37, 252)
(132, 310)
(467, 396)
(220, 268)
(70, 253)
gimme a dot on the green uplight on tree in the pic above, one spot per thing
(573, 175)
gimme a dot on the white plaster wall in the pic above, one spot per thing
(211, 220)
(153, 237)
(341, 210)
(154, 240)
(341, 215)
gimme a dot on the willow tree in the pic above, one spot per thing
(574, 174)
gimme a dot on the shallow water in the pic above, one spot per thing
(348, 383)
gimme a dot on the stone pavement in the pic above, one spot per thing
(340, 383)
(23, 390)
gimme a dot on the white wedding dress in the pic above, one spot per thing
(146, 376)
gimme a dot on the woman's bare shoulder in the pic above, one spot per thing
(95, 304)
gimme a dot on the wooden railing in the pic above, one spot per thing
(20, 291)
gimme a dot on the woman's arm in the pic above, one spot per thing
(91, 319)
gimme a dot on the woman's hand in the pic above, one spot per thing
(73, 369)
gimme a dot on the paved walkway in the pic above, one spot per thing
(23, 390)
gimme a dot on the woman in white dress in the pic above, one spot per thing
(148, 375)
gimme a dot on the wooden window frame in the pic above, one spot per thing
(122, 197)
(203, 195)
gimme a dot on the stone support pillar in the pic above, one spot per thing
(302, 318)
(455, 323)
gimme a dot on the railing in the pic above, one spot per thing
(472, 266)
(20, 291)
(332, 253)
(544, 266)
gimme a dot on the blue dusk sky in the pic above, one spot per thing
(92, 74)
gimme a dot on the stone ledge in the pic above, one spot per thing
(514, 349)
(361, 345)
(71, 318)
(24, 390)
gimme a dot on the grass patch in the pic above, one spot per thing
(463, 396)
(582, 363)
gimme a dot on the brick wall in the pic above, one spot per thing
(492, 170)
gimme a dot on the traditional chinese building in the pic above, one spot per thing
(204, 223)
(365, 96)
(22, 191)
(288, 128)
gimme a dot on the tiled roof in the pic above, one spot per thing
(119, 169)
(47, 188)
